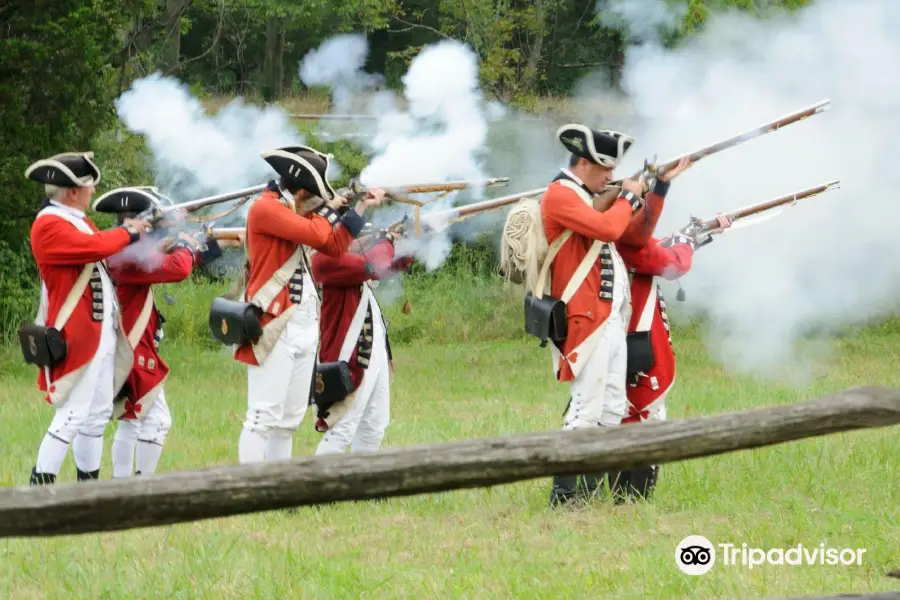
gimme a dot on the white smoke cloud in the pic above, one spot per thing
(443, 131)
(338, 65)
(437, 131)
(196, 154)
(829, 261)
(643, 19)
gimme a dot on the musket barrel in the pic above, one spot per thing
(770, 204)
(202, 202)
(747, 135)
(485, 205)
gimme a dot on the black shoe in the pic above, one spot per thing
(85, 476)
(564, 490)
(634, 484)
(591, 486)
(42, 478)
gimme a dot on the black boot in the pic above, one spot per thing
(591, 486)
(563, 490)
(42, 478)
(635, 484)
(619, 485)
(85, 476)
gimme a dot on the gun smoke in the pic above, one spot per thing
(829, 261)
(196, 154)
(436, 132)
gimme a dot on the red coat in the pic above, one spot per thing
(341, 279)
(645, 263)
(563, 208)
(61, 250)
(149, 370)
(274, 230)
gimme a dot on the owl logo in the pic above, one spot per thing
(320, 383)
(224, 327)
(32, 345)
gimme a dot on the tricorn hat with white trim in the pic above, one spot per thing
(600, 146)
(304, 167)
(69, 169)
(128, 200)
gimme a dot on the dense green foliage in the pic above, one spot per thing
(62, 64)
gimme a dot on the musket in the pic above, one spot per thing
(224, 233)
(698, 226)
(434, 220)
(355, 190)
(400, 193)
(653, 169)
(156, 213)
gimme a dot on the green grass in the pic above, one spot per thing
(840, 490)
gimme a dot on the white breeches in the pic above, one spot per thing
(598, 392)
(363, 425)
(89, 406)
(142, 437)
(279, 389)
(152, 428)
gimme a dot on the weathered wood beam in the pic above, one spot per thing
(177, 497)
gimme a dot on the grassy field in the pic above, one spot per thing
(840, 490)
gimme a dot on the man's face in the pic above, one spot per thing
(80, 197)
(597, 176)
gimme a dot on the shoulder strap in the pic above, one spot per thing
(134, 336)
(84, 277)
(647, 313)
(74, 296)
(587, 262)
(279, 279)
(356, 324)
(578, 277)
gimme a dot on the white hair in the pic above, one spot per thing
(54, 192)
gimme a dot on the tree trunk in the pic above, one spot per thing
(272, 89)
(170, 53)
(534, 57)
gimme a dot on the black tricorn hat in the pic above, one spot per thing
(600, 146)
(303, 166)
(128, 200)
(69, 169)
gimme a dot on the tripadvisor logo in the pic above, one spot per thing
(696, 555)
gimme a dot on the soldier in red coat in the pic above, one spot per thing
(143, 414)
(78, 300)
(296, 214)
(587, 274)
(653, 365)
(353, 330)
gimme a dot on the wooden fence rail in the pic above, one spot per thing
(177, 497)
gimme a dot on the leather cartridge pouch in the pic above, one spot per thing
(640, 353)
(42, 346)
(234, 323)
(545, 318)
(333, 384)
